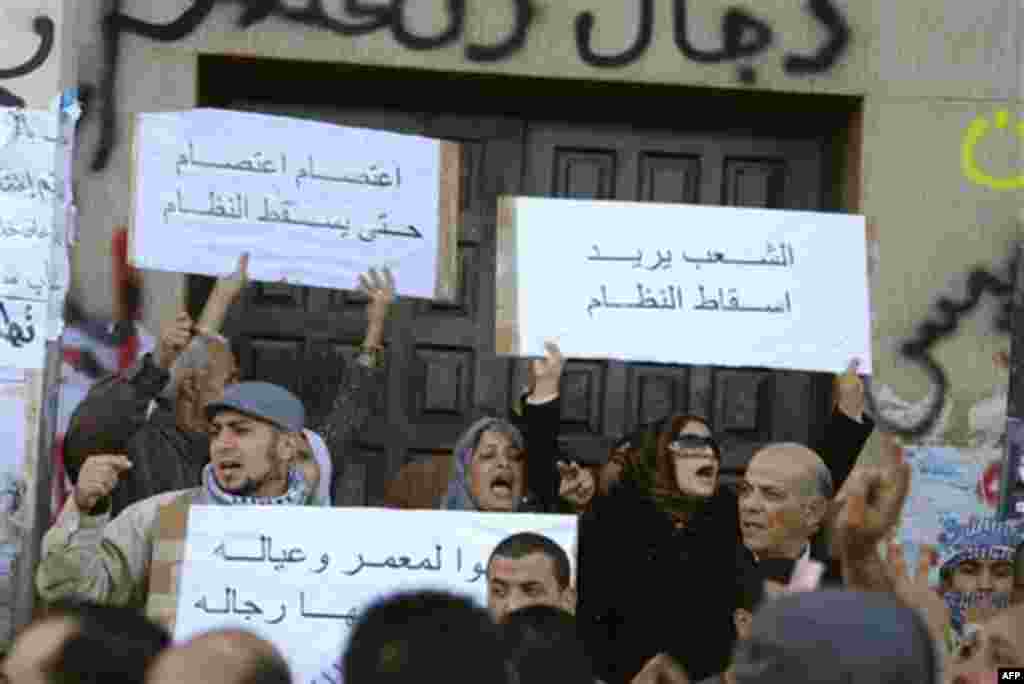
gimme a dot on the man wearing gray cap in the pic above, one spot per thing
(86, 555)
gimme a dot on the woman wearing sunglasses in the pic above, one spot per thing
(661, 545)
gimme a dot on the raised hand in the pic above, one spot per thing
(871, 502)
(547, 372)
(174, 337)
(849, 392)
(661, 669)
(237, 281)
(380, 287)
(98, 478)
(915, 590)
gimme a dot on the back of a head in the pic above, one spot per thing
(228, 656)
(425, 636)
(837, 637)
(110, 644)
(543, 646)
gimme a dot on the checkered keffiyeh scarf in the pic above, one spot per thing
(298, 493)
(990, 540)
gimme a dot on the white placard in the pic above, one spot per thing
(274, 571)
(13, 408)
(35, 199)
(674, 283)
(313, 203)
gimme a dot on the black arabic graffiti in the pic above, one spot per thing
(744, 35)
(919, 349)
(44, 27)
(313, 14)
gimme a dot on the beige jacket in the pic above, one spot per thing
(94, 558)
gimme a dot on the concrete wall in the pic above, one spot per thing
(926, 71)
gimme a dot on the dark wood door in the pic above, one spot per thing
(442, 371)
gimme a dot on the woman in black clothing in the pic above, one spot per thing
(658, 559)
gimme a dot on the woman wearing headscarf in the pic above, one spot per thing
(314, 459)
(660, 548)
(496, 465)
(837, 637)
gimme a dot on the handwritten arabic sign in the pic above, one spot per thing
(35, 162)
(674, 283)
(274, 571)
(313, 203)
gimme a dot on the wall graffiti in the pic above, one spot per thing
(744, 36)
(919, 349)
(977, 130)
(44, 28)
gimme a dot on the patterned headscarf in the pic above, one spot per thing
(323, 459)
(297, 493)
(988, 539)
(458, 496)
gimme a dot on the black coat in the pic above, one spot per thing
(647, 588)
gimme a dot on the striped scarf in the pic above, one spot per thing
(172, 528)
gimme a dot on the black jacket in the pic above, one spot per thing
(647, 588)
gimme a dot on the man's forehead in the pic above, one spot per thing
(774, 467)
(233, 418)
(531, 567)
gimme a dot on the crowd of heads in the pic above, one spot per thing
(260, 451)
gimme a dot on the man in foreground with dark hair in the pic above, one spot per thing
(528, 569)
(228, 656)
(425, 636)
(82, 642)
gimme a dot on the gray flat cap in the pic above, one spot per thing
(262, 400)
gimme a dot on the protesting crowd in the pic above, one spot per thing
(792, 575)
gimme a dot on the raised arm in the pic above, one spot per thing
(224, 294)
(540, 423)
(86, 555)
(363, 376)
(118, 405)
(848, 428)
(867, 511)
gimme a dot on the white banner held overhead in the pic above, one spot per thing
(313, 203)
(272, 570)
(674, 283)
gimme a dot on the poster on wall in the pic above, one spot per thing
(950, 488)
(312, 203)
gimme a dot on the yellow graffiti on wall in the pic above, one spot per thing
(975, 132)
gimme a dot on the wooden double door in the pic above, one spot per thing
(441, 367)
